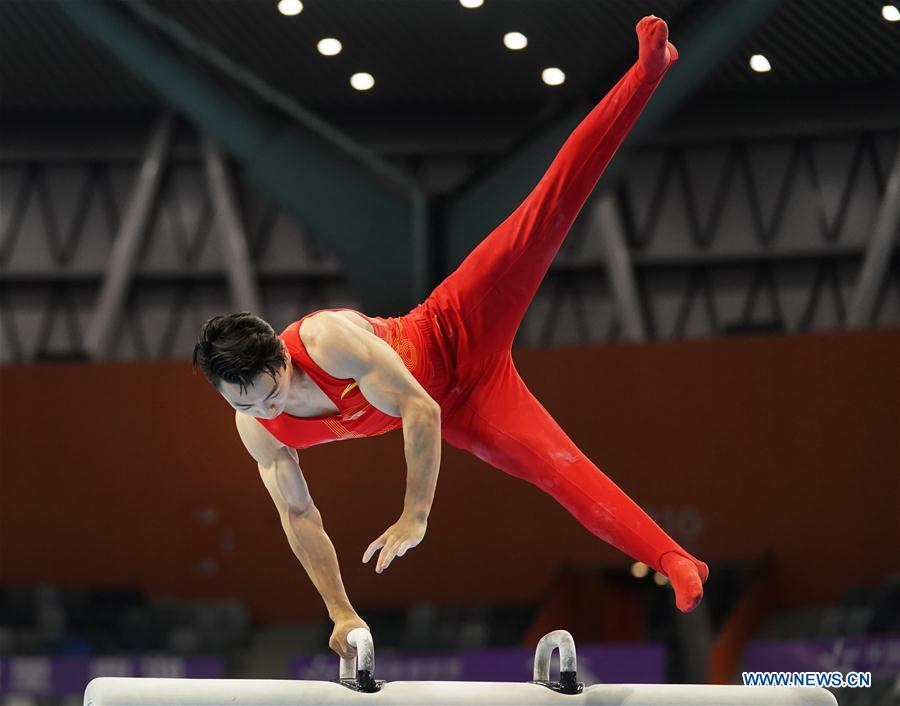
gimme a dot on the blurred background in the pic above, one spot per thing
(729, 297)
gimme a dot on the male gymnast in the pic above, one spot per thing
(444, 370)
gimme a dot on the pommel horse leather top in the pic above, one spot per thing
(358, 687)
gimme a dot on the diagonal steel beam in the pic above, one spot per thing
(379, 167)
(241, 278)
(243, 76)
(99, 339)
(877, 259)
(360, 217)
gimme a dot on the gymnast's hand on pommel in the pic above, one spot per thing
(404, 534)
(342, 627)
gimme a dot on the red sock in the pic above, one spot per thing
(687, 579)
(655, 53)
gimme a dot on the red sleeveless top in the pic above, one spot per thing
(415, 339)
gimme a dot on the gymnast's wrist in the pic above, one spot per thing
(342, 613)
(417, 513)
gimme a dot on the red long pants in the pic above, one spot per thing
(493, 415)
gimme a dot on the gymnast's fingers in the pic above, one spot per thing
(341, 646)
(387, 556)
(373, 547)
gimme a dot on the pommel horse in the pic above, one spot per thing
(357, 686)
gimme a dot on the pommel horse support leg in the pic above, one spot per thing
(357, 687)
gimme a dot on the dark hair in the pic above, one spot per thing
(237, 348)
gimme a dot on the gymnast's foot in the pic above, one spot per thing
(686, 578)
(655, 52)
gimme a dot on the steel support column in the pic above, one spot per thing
(232, 235)
(421, 254)
(696, 635)
(877, 259)
(124, 255)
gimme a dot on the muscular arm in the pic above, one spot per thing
(347, 351)
(280, 472)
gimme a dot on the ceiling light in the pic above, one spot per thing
(890, 13)
(290, 7)
(362, 81)
(515, 40)
(471, 4)
(659, 579)
(760, 64)
(553, 76)
(639, 569)
(329, 46)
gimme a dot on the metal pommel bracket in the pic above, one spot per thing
(568, 681)
(359, 673)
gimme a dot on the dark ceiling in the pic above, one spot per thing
(434, 54)
(445, 85)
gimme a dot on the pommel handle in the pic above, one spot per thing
(568, 680)
(360, 669)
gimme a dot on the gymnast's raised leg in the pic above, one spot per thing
(484, 301)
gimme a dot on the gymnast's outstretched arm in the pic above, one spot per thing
(349, 352)
(280, 471)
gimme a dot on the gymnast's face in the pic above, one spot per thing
(265, 398)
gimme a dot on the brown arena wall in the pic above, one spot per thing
(133, 475)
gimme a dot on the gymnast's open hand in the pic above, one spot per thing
(404, 534)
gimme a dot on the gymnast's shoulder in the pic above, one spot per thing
(260, 444)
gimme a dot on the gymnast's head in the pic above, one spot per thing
(246, 362)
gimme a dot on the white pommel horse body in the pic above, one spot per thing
(358, 687)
